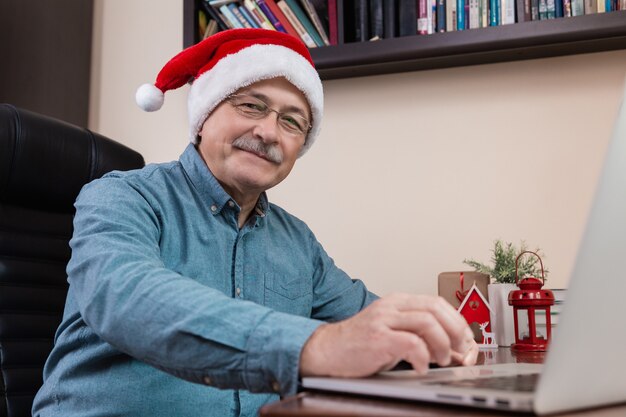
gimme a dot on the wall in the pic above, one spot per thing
(413, 172)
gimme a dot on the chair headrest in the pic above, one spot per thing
(44, 162)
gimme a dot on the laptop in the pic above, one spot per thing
(586, 362)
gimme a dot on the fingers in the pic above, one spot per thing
(453, 324)
(426, 327)
(412, 349)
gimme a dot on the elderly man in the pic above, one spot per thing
(190, 294)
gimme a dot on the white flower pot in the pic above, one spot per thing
(502, 323)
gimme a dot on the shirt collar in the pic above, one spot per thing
(209, 187)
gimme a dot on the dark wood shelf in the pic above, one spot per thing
(527, 40)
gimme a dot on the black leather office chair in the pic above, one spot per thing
(43, 165)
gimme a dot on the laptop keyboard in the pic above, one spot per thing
(523, 383)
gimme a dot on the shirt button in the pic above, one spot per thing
(213, 208)
(238, 292)
(231, 203)
(276, 386)
(206, 380)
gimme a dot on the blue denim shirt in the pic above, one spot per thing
(173, 310)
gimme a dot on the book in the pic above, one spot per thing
(460, 15)
(263, 8)
(211, 29)
(228, 14)
(214, 14)
(473, 14)
(430, 16)
(567, 8)
(484, 13)
(522, 11)
(466, 12)
(278, 13)
(407, 13)
(333, 24)
(390, 17)
(246, 15)
(304, 21)
(375, 19)
(543, 9)
(361, 21)
(302, 33)
(422, 17)
(450, 15)
(550, 9)
(591, 6)
(534, 10)
(602, 7)
(315, 19)
(441, 15)
(508, 12)
(578, 7)
(235, 10)
(558, 8)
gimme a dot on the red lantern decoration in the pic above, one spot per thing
(529, 300)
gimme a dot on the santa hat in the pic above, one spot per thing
(229, 60)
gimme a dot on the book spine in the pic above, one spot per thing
(361, 21)
(231, 17)
(558, 8)
(333, 37)
(269, 15)
(567, 8)
(460, 15)
(214, 15)
(375, 19)
(429, 17)
(282, 18)
(235, 11)
(473, 14)
(550, 9)
(578, 7)
(422, 17)
(341, 27)
(308, 26)
(389, 16)
(441, 15)
(246, 15)
(466, 12)
(407, 14)
(450, 15)
(601, 6)
(591, 6)
(493, 21)
(508, 12)
(317, 23)
(534, 9)
(543, 9)
(306, 38)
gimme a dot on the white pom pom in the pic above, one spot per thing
(149, 97)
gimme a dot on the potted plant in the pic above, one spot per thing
(502, 272)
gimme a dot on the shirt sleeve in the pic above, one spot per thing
(129, 298)
(336, 295)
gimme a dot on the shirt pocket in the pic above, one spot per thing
(288, 294)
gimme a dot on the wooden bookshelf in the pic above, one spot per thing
(527, 40)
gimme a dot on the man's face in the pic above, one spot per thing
(248, 155)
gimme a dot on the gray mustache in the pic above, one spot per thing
(271, 152)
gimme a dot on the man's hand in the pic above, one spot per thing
(417, 328)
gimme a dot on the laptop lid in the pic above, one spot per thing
(586, 364)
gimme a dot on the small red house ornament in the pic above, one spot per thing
(476, 309)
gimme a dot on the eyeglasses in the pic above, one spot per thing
(255, 108)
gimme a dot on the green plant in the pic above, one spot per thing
(502, 269)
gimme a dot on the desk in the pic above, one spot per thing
(319, 404)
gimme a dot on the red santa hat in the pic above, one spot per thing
(229, 60)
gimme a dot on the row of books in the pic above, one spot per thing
(332, 22)
(300, 18)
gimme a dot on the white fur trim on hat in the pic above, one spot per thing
(247, 66)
